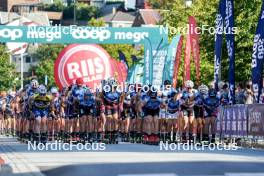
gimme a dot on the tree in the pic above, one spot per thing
(57, 6)
(246, 17)
(83, 11)
(7, 70)
(47, 54)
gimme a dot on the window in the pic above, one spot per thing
(28, 59)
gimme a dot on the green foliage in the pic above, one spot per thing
(47, 54)
(246, 17)
(96, 22)
(83, 11)
(7, 70)
(57, 6)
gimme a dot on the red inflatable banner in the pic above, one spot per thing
(88, 61)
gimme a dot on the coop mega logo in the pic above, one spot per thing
(11, 34)
(87, 61)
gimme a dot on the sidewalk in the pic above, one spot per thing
(14, 162)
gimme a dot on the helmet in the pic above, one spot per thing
(173, 93)
(153, 93)
(212, 93)
(221, 84)
(54, 90)
(88, 93)
(112, 81)
(189, 84)
(34, 83)
(103, 82)
(203, 89)
(79, 81)
(167, 82)
(42, 89)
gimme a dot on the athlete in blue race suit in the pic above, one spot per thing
(87, 106)
(211, 105)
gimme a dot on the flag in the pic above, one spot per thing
(218, 41)
(158, 64)
(148, 62)
(225, 18)
(187, 60)
(177, 63)
(134, 58)
(122, 58)
(257, 57)
(170, 58)
(230, 39)
(194, 39)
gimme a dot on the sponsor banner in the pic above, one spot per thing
(257, 57)
(159, 59)
(137, 73)
(177, 63)
(256, 120)
(218, 41)
(225, 20)
(233, 120)
(230, 40)
(187, 60)
(88, 61)
(148, 62)
(194, 38)
(170, 59)
(80, 34)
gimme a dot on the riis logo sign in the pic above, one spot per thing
(87, 61)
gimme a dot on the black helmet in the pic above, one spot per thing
(212, 93)
(167, 82)
(153, 93)
(173, 93)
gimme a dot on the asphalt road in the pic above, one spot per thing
(130, 160)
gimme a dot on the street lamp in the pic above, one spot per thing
(188, 3)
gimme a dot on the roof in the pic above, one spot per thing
(124, 16)
(54, 15)
(40, 18)
(11, 3)
(107, 12)
(6, 17)
(150, 16)
(27, 4)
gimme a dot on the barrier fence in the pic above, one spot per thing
(241, 121)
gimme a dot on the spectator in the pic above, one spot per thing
(261, 98)
(240, 94)
(248, 95)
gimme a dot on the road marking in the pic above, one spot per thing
(244, 174)
(161, 174)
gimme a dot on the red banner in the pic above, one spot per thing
(117, 70)
(194, 39)
(187, 59)
(177, 63)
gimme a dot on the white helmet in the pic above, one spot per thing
(189, 84)
(54, 90)
(203, 89)
(34, 83)
(221, 84)
(42, 89)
